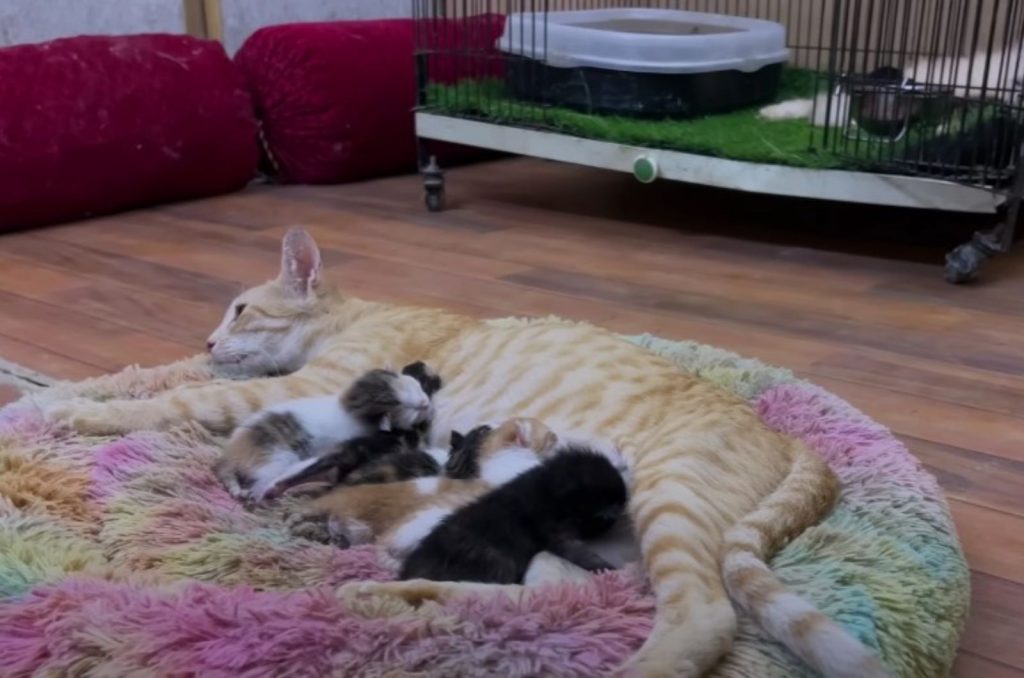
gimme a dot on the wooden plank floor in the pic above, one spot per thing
(851, 298)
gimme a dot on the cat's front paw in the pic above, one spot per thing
(88, 417)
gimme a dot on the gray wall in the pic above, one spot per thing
(242, 17)
(39, 20)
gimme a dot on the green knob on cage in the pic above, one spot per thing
(645, 169)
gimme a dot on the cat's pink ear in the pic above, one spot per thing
(300, 262)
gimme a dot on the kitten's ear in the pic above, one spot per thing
(524, 432)
(300, 262)
(550, 441)
(457, 441)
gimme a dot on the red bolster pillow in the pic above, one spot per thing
(94, 125)
(336, 99)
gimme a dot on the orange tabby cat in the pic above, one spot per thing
(714, 491)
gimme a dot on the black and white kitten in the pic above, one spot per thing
(576, 494)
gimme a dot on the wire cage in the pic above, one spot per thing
(929, 89)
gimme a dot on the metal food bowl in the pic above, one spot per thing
(887, 108)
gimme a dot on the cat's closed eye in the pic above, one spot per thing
(239, 308)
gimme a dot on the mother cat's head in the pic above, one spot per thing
(272, 328)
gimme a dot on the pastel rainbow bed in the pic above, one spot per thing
(125, 555)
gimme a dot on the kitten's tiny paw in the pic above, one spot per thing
(386, 561)
(314, 526)
(308, 525)
(311, 531)
(350, 532)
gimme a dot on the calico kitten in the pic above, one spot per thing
(285, 439)
(575, 495)
(386, 457)
(401, 514)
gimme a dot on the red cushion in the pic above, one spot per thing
(336, 99)
(94, 125)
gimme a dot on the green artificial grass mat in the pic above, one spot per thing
(740, 135)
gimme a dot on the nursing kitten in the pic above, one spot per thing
(401, 514)
(575, 495)
(286, 438)
(386, 457)
(379, 457)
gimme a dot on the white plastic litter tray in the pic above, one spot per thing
(645, 40)
(653, 63)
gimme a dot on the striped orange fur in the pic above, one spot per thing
(714, 492)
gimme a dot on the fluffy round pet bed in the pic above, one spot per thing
(125, 555)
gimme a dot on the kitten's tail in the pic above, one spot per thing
(801, 500)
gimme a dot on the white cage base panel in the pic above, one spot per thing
(649, 165)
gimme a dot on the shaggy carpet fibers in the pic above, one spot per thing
(125, 557)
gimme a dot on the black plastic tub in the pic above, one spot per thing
(642, 95)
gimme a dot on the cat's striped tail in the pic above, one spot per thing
(801, 500)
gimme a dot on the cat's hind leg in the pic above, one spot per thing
(677, 514)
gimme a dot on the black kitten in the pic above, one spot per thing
(575, 495)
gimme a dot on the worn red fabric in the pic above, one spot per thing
(336, 99)
(94, 125)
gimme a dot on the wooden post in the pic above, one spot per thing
(203, 19)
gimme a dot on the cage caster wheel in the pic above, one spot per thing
(964, 262)
(435, 200)
(433, 186)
